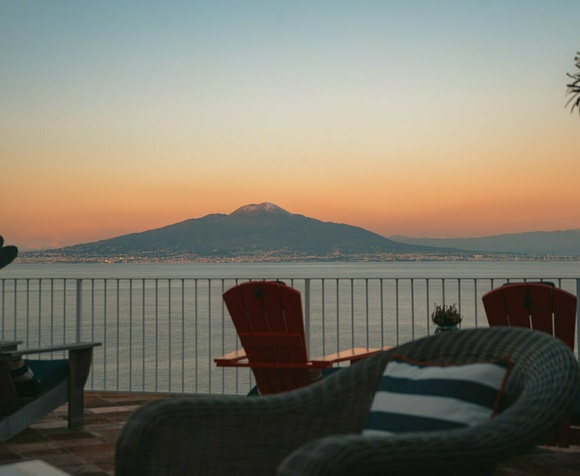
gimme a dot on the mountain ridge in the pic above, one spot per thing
(256, 231)
(267, 232)
(557, 242)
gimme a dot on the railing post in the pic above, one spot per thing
(79, 286)
(578, 317)
(307, 312)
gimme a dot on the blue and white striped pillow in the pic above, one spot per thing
(26, 383)
(419, 396)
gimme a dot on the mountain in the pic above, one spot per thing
(264, 231)
(560, 243)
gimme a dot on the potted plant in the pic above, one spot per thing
(447, 318)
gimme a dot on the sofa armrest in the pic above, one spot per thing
(545, 379)
(316, 430)
(411, 454)
(243, 435)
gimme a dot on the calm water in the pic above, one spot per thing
(161, 325)
(419, 269)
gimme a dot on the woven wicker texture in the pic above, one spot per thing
(316, 429)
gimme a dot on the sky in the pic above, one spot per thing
(420, 118)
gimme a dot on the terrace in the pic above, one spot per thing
(90, 452)
(159, 337)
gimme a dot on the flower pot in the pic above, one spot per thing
(440, 329)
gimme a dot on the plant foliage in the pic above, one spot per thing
(7, 253)
(446, 315)
(574, 87)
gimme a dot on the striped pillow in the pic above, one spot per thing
(23, 377)
(419, 396)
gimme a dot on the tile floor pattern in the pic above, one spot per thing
(90, 452)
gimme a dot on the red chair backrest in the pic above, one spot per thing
(268, 318)
(540, 306)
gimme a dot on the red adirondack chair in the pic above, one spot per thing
(268, 319)
(540, 306)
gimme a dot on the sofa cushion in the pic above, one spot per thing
(419, 396)
(32, 377)
(49, 372)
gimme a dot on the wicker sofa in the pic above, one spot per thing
(316, 429)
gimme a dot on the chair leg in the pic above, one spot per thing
(563, 435)
(79, 366)
(575, 435)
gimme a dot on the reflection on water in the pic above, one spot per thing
(391, 269)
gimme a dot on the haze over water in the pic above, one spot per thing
(406, 269)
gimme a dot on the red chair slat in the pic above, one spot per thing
(540, 306)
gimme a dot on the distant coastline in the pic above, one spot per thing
(55, 257)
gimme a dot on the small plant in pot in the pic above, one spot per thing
(447, 318)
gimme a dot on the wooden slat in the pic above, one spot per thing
(53, 348)
(275, 340)
(565, 305)
(495, 308)
(232, 363)
(540, 300)
(8, 396)
(235, 356)
(247, 316)
(288, 303)
(270, 365)
(352, 355)
(514, 298)
(9, 345)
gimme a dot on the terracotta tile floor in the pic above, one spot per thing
(90, 452)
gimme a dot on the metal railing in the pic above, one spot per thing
(161, 335)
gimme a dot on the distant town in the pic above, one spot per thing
(161, 256)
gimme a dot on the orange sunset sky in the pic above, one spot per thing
(419, 118)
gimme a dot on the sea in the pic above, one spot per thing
(161, 324)
(389, 269)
